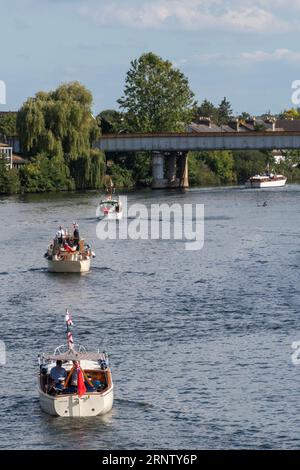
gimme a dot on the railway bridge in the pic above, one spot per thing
(169, 150)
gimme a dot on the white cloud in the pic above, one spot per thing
(229, 15)
(259, 56)
(277, 55)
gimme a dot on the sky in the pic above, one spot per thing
(246, 50)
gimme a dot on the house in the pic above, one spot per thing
(6, 153)
(14, 161)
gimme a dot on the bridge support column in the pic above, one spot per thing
(158, 181)
(183, 171)
(171, 170)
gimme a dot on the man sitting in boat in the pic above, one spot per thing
(58, 374)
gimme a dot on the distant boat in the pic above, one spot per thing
(69, 255)
(92, 393)
(110, 207)
(268, 180)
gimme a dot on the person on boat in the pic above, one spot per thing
(76, 236)
(60, 234)
(58, 374)
(74, 377)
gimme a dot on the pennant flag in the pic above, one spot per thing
(68, 318)
(81, 388)
(70, 340)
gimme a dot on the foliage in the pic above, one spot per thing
(58, 123)
(110, 121)
(207, 109)
(88, 170)
(292, 113)
(221, 114)
(121, 176)
(250, 162)
(224, 112)
(9, 179)
(43, 174)
(157, 96)
(8, 124)
(199, 172)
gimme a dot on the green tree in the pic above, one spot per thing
(8, 124)
(110, 121)
(207, 109)
(250, 162)
(224, 112)
(56, 129)
(59, 122)
(157, 96)
(9, 179)
(292, 113)
(221, 163)
(43, 174)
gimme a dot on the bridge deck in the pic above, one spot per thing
(165, 142)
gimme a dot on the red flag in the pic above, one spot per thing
(80, 382)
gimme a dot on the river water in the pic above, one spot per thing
(199, 341)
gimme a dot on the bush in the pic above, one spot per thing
(9, 179)
(121, 177)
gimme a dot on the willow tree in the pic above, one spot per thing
(60, 124)
(157, 96)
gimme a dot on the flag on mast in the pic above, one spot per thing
(69, 323)
(81, 388)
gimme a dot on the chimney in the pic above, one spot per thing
(206, 121)
(235, 124)
(271, 120)
(251, 121)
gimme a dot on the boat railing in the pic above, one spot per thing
(64, 349)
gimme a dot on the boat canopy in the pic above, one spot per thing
(109, 201)
(74, 356)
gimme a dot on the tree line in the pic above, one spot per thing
(57, 133)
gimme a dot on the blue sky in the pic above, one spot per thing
(248, 51)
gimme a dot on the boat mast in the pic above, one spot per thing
(69, 323)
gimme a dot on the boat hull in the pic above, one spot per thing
(93, 404)
(265, 184)
(68, 266)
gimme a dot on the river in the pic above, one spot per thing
(199, 341)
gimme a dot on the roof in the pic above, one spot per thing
(292, 125)
(74, 356)
(16, 159)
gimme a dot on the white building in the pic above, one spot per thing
(6, 153)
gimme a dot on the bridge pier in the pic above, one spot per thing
(176, 168)
(158, 180)
(183, 171)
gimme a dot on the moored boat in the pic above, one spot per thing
(73, 382)
(68, 253)
(268, 180)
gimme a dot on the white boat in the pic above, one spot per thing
(93, 398)
(110, 208)
(68, 255)
(268, 180)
